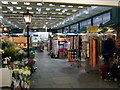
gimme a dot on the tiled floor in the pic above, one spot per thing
(58, 73)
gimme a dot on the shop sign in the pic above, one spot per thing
(93, 29)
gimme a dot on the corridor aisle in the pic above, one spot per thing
(57, 73)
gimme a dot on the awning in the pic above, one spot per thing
(111, 22)
(83, 29)
(103, 31)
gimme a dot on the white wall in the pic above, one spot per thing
(41, 36)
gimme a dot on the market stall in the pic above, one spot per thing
(16, 68)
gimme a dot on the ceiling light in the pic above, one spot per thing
(51, 5)
(39, 9)
(63, 11)
(39, 4)
(21, 12)
(44, 12)
(80, 6)
(11, 9)
(4, 11)
(31, 12)
(26, 3)
(70, 6)
(62, 5)
(47, 9)
(53, 13)
(18, 7)
(14, 12)
(58, 9)
(74, 10)
(29, 8)
(0, 7)
(4, 2)
(66, 9)
(14, 2)
(60, 13)
(68, 13)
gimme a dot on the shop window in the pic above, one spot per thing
(106, 17)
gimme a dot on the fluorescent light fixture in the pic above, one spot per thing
(62, 5)
(39, 9)
(60, 13)
(80, 6)
(4, 11)
(68, 13)
(18, 7)
(0, 7)
(53, 13)
(30, 8)
(74, 10)
(21, 12)
(47, 9)
(26, 3)
(14, 3)
(66, 9)
(14, 12)
(51, 5)
(44, 12)
(70, 6)
(39, 4)
(4, 2)
(63, 11)
(10, 7)
(58, 9)
(31, 12)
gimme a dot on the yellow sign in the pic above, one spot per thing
(92, 29)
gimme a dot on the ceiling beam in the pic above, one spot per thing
(81, 2)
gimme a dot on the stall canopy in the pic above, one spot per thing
(111, 22)
(103, 31)
(83, 29)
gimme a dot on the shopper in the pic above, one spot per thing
(108, 49)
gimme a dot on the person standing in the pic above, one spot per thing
(108, 49)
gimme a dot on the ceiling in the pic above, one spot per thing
(82, 2)
(50, 15)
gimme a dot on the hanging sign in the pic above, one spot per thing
(92, 30)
